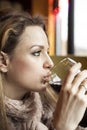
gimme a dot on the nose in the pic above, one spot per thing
(48, 62)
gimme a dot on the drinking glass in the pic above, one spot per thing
(59, 72)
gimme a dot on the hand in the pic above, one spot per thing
(72, 100)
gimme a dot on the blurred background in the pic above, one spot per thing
(66, 22)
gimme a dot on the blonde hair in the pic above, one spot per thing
(12, 25)
(3, 117)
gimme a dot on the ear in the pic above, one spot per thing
(4, 61)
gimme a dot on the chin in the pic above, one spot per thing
(44, 87)
(41, 89)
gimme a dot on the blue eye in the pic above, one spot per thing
(37, 53)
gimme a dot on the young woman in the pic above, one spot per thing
(25, 70)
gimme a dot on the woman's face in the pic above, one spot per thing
(29, 68)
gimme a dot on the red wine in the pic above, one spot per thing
(56, 86)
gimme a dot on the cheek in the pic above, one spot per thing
(25, 70)
(26, 74)
(22, 67)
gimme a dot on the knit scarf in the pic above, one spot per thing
(25, 114)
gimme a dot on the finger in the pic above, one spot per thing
(83, 87)
(73, 71)
(79, 79)
(85, 99)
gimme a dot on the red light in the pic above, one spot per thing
(56, 10)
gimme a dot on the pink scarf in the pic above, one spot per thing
(25, 114)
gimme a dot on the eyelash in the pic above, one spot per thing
(37, 53)
(48, 52)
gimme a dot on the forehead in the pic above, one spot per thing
(34, 34)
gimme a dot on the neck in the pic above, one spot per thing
(13, 91)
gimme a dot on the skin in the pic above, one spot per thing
(29, 67)
(72, 101)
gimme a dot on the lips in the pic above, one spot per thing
(47, 78)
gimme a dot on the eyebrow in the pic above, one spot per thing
(42, 47)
